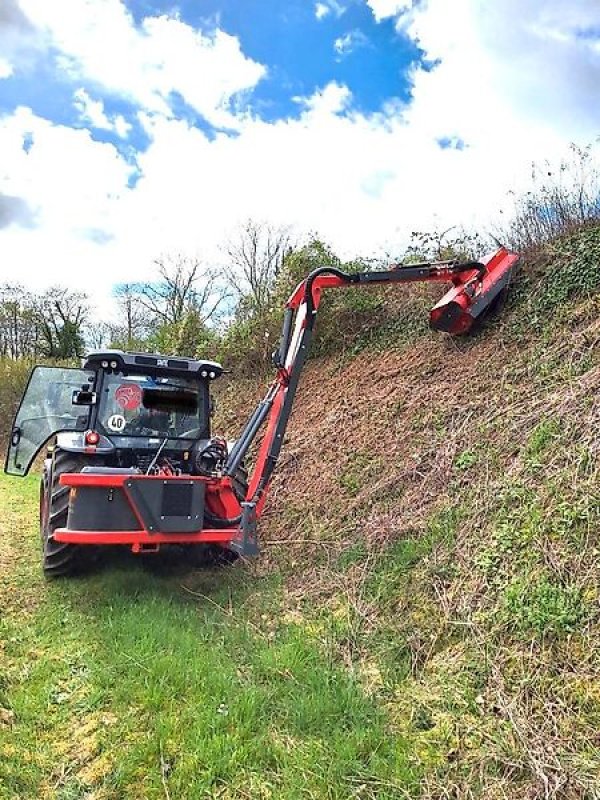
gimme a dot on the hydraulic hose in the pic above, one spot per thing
(221, 522)
(308, 296)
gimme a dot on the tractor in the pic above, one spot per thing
(134, 461)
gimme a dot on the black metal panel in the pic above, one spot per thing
(172, 505)
(449, 317)
(100, 508)
(157, 363)
(177, 500)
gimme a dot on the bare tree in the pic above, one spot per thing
(99, 335)
(133, 325)
(256, 254)
(184, 285)
(60, 315)
(19, 332)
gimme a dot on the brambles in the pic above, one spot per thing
(574, 271)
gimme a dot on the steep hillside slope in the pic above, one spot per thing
(436, 517)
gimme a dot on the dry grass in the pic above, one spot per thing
(562, 198)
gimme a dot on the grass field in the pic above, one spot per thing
(125, 684)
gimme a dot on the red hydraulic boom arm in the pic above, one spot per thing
(220, 517)
(475, 286)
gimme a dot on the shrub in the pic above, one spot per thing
(250, 339)
(543, 607)
(13, 378)
(574, 270)
(561, 199)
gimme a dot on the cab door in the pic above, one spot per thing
(56, 399)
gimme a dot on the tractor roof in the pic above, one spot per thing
(152, 363)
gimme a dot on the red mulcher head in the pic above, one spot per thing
(473, 293)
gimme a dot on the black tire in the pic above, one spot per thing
(58, 558)
(212, 556)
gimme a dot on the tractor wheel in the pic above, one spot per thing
(58, 558)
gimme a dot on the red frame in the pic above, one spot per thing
(220, 500)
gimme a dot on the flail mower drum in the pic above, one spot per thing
(135, 462)
(471, 298)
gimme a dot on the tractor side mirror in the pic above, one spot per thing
(83, 397)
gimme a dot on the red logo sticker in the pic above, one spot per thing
(128, 396)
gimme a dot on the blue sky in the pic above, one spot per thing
(300, 51)
(303, 47)
(131, 129)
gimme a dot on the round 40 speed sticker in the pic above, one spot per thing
(116, 423)
(129, 396)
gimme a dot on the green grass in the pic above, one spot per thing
(543, 606)
(121, 684)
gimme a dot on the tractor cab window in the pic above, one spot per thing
(142, 405)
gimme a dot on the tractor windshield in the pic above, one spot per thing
(141, 405)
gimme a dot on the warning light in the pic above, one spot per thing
(92, 438)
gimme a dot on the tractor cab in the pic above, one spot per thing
(119, 408)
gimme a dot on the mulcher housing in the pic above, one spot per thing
(145, 487)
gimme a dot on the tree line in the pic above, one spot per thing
(188, 304)
(49, 324)
(191, 308)
(231, 312)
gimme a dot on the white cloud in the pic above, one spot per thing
(323, 9)
(349, 42)
(6, 68)
(14, 211)
(73, 188)
(92, 111)
(383, 9)
(527, 60)
(72, 180)
(99, 42)
(332, 99)
(18, 42)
